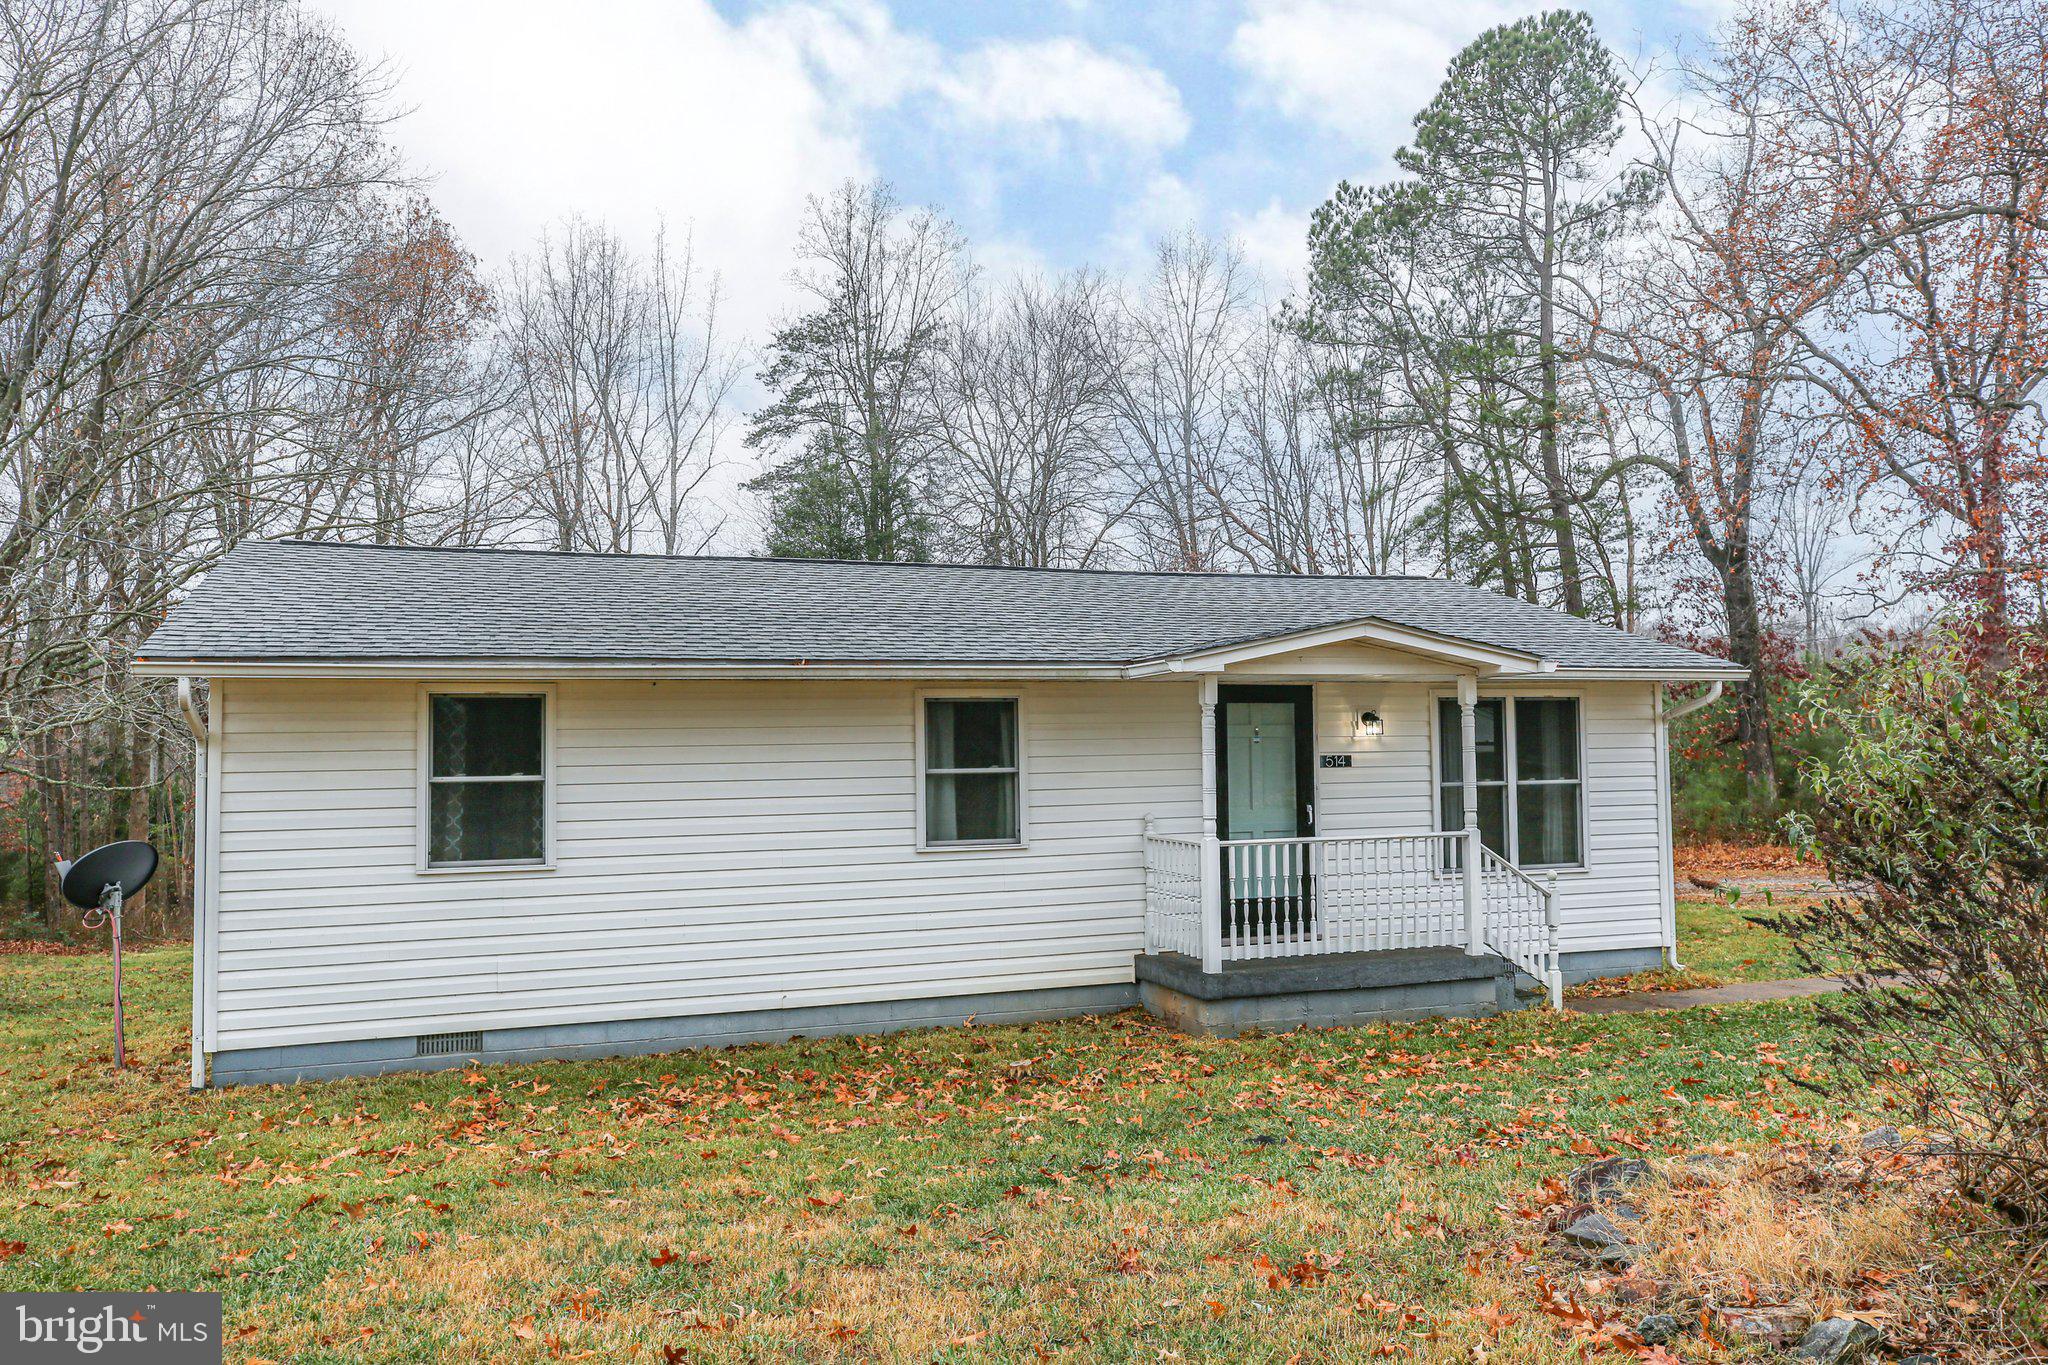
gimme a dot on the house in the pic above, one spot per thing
(493, 804)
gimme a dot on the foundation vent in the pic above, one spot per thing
(448, 1044)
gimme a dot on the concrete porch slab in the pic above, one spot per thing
(1345, 988)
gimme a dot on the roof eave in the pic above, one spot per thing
(1463, 653)
(1705, 671)
(599, 668)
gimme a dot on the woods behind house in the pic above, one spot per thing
(1745, 348)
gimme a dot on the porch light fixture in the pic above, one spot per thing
(1369, 726)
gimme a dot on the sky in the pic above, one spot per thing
(1055, 133)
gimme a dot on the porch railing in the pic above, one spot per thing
(1521, 920)
(1302, 897)
(1271, 898)
(1173, 894)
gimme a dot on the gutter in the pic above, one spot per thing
(1698, 703)
(480, 669)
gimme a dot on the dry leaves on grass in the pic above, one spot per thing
(1819, 1229)
(1660, 980)
(1716, 859)
(37, 947)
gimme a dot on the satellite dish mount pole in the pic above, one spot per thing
(111, 900)
(109, 913)
(98, 884)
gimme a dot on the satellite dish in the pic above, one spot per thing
(128, 864)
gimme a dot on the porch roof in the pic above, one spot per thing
(320, 606)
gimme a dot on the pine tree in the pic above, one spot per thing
(1514, 160)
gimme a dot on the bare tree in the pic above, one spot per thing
(406, 325)
(1023, 426)
(183, 187)
(1807, 529)
(1175, 341)
(1925, 126)
(619, 392)
(1278, 494)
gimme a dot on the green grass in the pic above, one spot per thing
(1097, 1189)
(1718, 939)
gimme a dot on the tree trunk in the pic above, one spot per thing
(1556, 494)
(1752, 694)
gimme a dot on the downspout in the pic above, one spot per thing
(201, 867)
(1667, 875)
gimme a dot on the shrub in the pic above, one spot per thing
(1934, 815)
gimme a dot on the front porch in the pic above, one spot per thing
(1259, 921)
(1298, 902)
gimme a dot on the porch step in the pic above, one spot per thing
(1341, 988)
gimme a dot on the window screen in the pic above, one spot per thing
(970, 770)
(486, 786)
(1546, 780)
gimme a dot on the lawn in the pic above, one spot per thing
(1099, 1189)
(1720, 943)
(1718, 939)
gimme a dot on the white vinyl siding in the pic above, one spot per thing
(726, 846)
(718, 847)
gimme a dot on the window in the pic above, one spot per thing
(486, 779)
(1527, 754)
(970, 771)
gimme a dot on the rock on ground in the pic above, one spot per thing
(1777, 1325)
(1611, 1174)
(1657, 1329)
(1837, 1341)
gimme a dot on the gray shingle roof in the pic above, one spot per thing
(292, 600)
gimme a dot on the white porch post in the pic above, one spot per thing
(1212, 869)
(1468, 785)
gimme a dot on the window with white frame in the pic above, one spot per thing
(486, 779)
(970, 771)
(1528, 778)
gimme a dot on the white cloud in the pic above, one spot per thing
(632, 112)
(1275, 242)
(1163, 205)
(1361, 68)
(853, 47)
(1064, 84)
